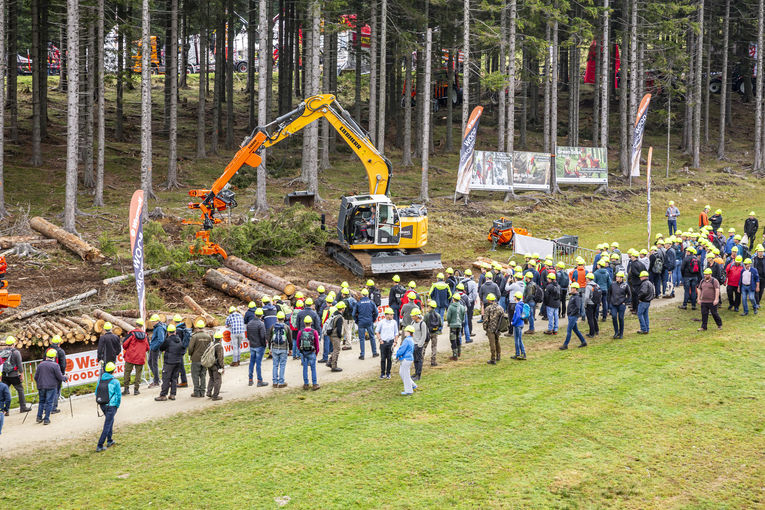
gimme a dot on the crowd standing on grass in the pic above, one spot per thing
(698, 262)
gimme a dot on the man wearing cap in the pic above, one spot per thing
(574, 311)
(420, 337)
(55, 344)
(14, 377)
(47, 377)
(618, 296)
(215, 372)
(308, 344)
(749, 284)
(256, 337)
(733, 287)
(235, 325)
(709, 297)
(200, 340)
(386, 332)
(135, 345)
(110, 408)
(158, 334)
(172, 361)
(646, 293)
(691, 270)
(365, 316)
(552, 303)
(455, 317)
(751, 226)
(492, 318)
(109, 346)
(395, 294)
(672, 214)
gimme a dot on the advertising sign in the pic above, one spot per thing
(466, 152)
(491, 171)
(637, 143)
(136, 246)
(581, 165)
(531, 170)
(82, 367)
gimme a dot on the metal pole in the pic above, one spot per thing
(71, 410)
(648, 187)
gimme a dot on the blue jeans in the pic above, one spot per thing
(295, 352)
(106, 433)
(677, 276)
(664, 281)
(617, 316)
(503, 302)
(533, 307)
(396, 315)
(280, 361)
(256, 357)
(465, 331)
(672, 225)
(442, 312)
(327, 349)
(642, 313)
(518, 334)
(367, 329)
(746, 295)
(604, 303)
(572, 327)
(2, 419)
(46, 402)
(689, 291)
(309, 359)
(552, 318)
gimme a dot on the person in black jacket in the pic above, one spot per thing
(394, 297)
(109, 346)
(173, 359)
(552, 303)
(55, 343)
(758, 262)
(575, 310)
(646, 293)
(618, 296)
(751, 226)
(256, 336)
(13, 372)
(47, 377)
(633, 278)
(691, 271)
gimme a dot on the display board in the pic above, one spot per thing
(491, 171)
(581, 165)
(531, 170)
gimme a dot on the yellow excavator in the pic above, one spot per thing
(373, 235)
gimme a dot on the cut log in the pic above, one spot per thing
(313, 285)
(50, 307)
(74, 328)
(98, 326)
(116, 321)
(239, 277)
(123, 277)
(491, 262)
(210, 321)
(223, 283)
(260, 275)
(37, 241)
(70, 241)
(86, 321)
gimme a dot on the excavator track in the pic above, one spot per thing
(368, 263)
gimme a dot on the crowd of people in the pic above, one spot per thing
(510, 299)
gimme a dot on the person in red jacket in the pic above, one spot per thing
(135, 347)
(733, 272)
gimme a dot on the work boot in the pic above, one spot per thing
(315, 387)
(183, 385)
(160, 399)
(136, 392)
(171, 397)
(375, 355)
(55, 411)
(217, 397)
(39, 420)
(196, 395)
(250, 383)
(25, 409)
(336, 369)
(563, 347)
(306, 386)
(361, 357)
(153, 385)
(262, 384)
(126, 391)
(433, 364)
(491, 362)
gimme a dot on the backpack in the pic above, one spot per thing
(8, 366)
(208, 357)
(376, 297)
(537, 293)
(306, 341)
(504, 323)
(597, 294)
(694, 265)
(278, 337)
(294, 322)
(102, 392)
(348, 312)
(526, 312)
(658, 264)
(330, 324)
(434, 321)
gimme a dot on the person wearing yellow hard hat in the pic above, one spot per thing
(733, 271)
(749, 284)
(134, 346)
(395, 294)
(235, 326)
(704, 216)
(365, 316)
(672, 213)
(307, 342)
(690, 270)
(172, 362)
(420, 338)
(441, 294)
(434, 324)
(109, 346)
(489, 286)
(217, 366)
(552, 301)
(646, 294)
(574, 312)
(493, 314)
(471, 291)
(158, 334)
(709, 298)
(386, 332)
(758, 262)
(533, 295)
(108, 399)
(255, 331)
(200, 341)
(405, 354)
(751, 226)
(280, 342)
(13, 375)
(321, 299)
(715, 221)
(47, 377)
(55, 344)
(184, 334)
(619, 294)
(250, 313)
(455, 319)
(269, 315)
(333, 334)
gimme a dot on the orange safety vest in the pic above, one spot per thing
(703, 219)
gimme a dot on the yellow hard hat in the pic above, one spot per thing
(449, 270)
(200, 323)
(460, 286)
(170, 328)
(759, 248)
(614, 245)
(251, 304)
(561, 265)
(409, 329)
(320, 289)
(734, 248)
(218, 334)
(590, 276)
(308, 319)
(231, 309)
(739, 258)
(491, 297)
(415, 312)
(276, 298)
(139, 321)
(432, 304)
(308, 301)
(56, 339)
(412, 284)
(644, 251)
(708, 270)
(550, 276)
(579, 260)
(389, 311)
(265, 300)
(574, 285)
(341, 305)
(671, 202)
(344, 285)
(719, 211)
(440, 276)
(50, 353)
(747, 261)
(396, 278)
(615, 256)
(345, 291)
(258, 311)
(456, 297)
(280, 315)
(620, 274)
(177, 318)
(643, 274)
(330, 298)
(512, 263)
(411, 295)
(528, 274)
(154, 318)
(731, 230)
(519, 295)
(299, 304)
(489, 276)
(468, 272)
(298, 295)
(737, 237)
(110, 367)
(751, 213)
(107, 326)
(370, 283)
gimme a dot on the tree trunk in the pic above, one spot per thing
(165, 17)
(312, 82)
(373, 72)
(406, 155)
(43, 66)
(546, 119)
(171, 73)
(72, 115)
(758, 160)
(554, 90)
(510, 116)
(261, 275)
(358, 51)
(146, 149)
(324, 163)
(261, 204)
(426, 109)
(383, 76)
(202, 62)
(13, 49)
(217, 86)
(184, 64)
(724, 81)
(707, 72)
(597, 95)
(63, 76)
(88, 175)
(697, 87)
(449, 103)
(270, 23)
(465, 65)
(333, 85)
(606, 73)
(251, 24)
(3, 64)
(633, 68)
(118, 126)
(503, 71)
(230, 78)
(525, 62)
(624, 120)
(98, 199)
(36, 153)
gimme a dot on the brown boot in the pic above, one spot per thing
(306, 386)
(160, 399)
(316, 387)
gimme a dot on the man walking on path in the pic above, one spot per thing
(174, 351)
(200, 340)
(574, 311)
(672, 214)
(13, 372)
(386, 332)
(235, 325)
(256, 336)
(158, 335)
(646, 293)
(110, 408)
(47, 377)
(135, 345)
(492, 318)
(709, 297)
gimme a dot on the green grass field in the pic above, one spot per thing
(669, 420)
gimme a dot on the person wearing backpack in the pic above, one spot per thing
(574, 311)
(135, 346)
(435, 324)
(646, 293)
(709, 298)
(749, 284)
(308, 343)
(532, 295)
(280, 343)
(395, 294)
(563, 280)
(334, 331)
(185, 335)
(471, 289)
(603, 278)
(109, 346)
(256, 337)
(420, 338)
(158, 334)
(455, 317)
(386, 332)
(199, 343)
(733, 274)
(365, 316)
(250, 313)
(13, 371)
(691, 270)
(47, 378)
(592, 295)
(551, 303)
(5, 403)
(493, 314)
(108, 398)
(521, 311)
(656, 267)
(172, 361)
(214, 362)
(618, 297)
(348, 314)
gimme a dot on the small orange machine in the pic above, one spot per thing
(6, 300)
(502, 232)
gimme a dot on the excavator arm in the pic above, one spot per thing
(218, 198)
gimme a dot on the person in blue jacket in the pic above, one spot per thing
(749, 285)
(250, 313)
(517, 323)
(441, 294)
(405, 354)
(365, 316)
(5, 403)
(157, 339)
(109, 409)
(604, 279)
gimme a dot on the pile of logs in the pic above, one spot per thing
(247, 282)
(489, 263)
(75, 328)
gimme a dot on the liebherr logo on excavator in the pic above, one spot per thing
(350, 137)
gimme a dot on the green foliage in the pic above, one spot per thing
(154, 301)
(284, 234)
(160, 250)
(107, 245)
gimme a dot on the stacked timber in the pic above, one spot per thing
(75, 328)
